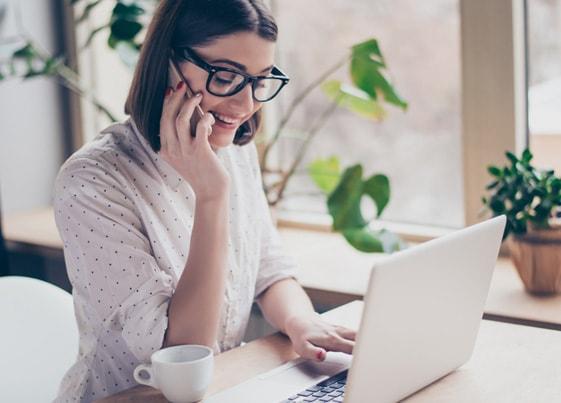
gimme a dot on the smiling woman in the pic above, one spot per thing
(167, 236)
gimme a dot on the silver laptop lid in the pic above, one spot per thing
(422, 313)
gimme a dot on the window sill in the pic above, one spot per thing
(322, 223)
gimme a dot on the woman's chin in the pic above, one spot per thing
(221, 138)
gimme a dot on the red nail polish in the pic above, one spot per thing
(180, 85)
(168, 91)
(320, 355)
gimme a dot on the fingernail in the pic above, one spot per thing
(168, 91)
(199, 94)
(320, 355)
(180, 85)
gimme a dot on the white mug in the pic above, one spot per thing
(182, 373)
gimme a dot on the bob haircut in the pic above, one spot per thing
(189, 23)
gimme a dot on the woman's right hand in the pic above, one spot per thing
(192, 158)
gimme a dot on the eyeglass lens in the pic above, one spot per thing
(227, 82)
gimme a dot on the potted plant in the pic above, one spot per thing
(531, 200)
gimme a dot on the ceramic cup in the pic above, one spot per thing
(182, 373)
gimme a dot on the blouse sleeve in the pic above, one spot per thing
(109, 257)
(274, 263)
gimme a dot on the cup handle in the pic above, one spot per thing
(144, 381)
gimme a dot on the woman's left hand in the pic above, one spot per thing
(312, 336)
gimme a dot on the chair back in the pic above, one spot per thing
(38, 339)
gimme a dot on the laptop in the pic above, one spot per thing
(420, 318)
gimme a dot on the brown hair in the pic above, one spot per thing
(188, 23)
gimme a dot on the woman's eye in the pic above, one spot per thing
(221, 81)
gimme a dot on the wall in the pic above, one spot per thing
(32, 123)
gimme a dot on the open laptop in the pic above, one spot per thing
(421, 315)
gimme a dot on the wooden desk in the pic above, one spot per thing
(332, 272)
(511, 363)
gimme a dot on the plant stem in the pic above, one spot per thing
(298, 99)
(311, 134)
(71, 80)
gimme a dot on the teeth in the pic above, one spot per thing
(224, 118)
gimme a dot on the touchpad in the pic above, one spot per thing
(302, 371)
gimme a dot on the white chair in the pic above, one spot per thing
(38, 339)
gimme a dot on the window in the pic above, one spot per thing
(419, 149)
(544, 81)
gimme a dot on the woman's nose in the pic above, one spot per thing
(243, 100)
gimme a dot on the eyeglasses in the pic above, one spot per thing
(224, 81)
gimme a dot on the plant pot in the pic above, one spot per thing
(537, 258)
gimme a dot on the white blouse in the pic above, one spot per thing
(125, 217)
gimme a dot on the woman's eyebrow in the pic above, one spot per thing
(239, 65)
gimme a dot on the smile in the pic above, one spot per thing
(226, 119)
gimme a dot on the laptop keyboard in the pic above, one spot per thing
(330, 390)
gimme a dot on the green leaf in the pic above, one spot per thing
(26, 52)
(127, 11)
(367, 73)
(497, 205)
(125, 30)
(495, 171)
(369, 49)
(367, 240)
(527, 155)
(378, 188)
(51, 65)
(513, 159)
(492, 185)
(363, 240)
(344, 202)
(353, 99)
(325, 173)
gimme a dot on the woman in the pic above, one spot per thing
(167, 237)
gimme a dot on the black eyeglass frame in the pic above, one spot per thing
(189, 55)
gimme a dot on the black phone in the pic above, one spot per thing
(198, 112)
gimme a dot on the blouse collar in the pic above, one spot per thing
(168, 173)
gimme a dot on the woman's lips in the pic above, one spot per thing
(225, 121)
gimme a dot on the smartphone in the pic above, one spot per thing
(177, 76)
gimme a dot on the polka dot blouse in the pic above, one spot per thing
(125, 217)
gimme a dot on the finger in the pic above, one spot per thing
(311, 352)
(168, 137)
(204, 128)
(340, 344)
(346, 333)
(183, 120)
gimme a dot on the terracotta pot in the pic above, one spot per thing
(537, 257)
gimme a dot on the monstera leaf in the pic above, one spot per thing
(370, 84)
(345, 192)
(368, 73)
(325, 173)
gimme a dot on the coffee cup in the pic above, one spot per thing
(182, 373)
